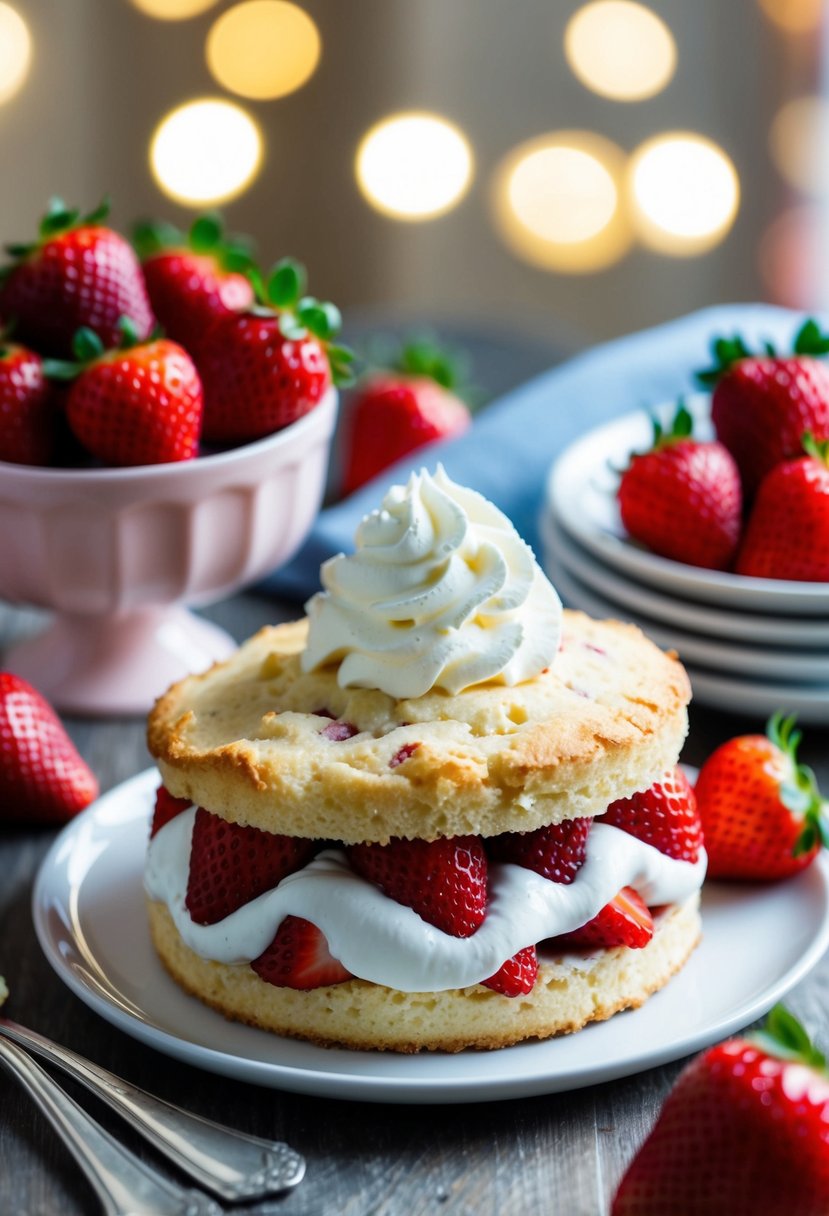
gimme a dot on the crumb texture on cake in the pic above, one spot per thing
(250, 741)
(366, 1016)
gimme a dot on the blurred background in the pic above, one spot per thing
(554, 169)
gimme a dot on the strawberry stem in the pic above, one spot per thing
(785, 1038)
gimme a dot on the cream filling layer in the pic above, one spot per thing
(380, 940)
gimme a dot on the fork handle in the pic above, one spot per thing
(123, 1183)
(232, 1164)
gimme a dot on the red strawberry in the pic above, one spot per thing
(192, 280)
(166, 808)
(625, 921)
(444, 881)
(400, 409)
(231, 864)
(555, 852)
(78, 274)
(42, 777)
(762, 404)
(264, 368)
(140, 404)
(787, 535)
(664, 816)
(518, 974)
(298, 957)
(682, 498)
(744, 1132)
(28, 413)
(761, 811)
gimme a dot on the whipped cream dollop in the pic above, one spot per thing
(441, 592)
(380, 940)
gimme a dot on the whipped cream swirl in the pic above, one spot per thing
(441, 592)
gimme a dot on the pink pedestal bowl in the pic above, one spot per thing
(116, 553)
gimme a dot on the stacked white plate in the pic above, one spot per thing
(751, 645)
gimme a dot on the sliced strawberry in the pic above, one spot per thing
(298, 957)
(625, 921)
(664, 816)
(518, 974)
(230, 865)
(444, 881)
(166, 808)
(555, 852)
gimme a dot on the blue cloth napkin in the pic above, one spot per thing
(508, 452)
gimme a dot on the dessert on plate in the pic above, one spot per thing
(438, 812)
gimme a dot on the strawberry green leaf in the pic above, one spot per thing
(99, 213)
(799, 793)
(810, 339)
(129, 333)
(61, 369)
(86, 345)
(322, 319)
(285, 284)
(18, 251)
(150, 237)
(237, 258)
(206, 232)
(784, 1038)
(818, 448)
(57, 220)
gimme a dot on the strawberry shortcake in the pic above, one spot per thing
(437, 813)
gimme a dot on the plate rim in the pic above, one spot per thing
(317, 1081)
(711, 586)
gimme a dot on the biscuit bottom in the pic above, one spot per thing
(365, 1016)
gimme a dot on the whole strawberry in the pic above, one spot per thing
(138, 404)
(27, 407)
(761, 811)
(682, 498)
(400, 409)
(192, 280)
(42, 777)
(787, 535)
(77, 274)
(744, 1132)
(762, 403)
(264, 368)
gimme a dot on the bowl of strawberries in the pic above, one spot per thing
(144, 470)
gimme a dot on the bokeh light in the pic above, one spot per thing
(789, 258)
(205, 151)
(620, 49)
(15, 51)
(794, 16)
(557, 202)
(173, 10)
(414, 166)
(797, 139)
(263, 48)
(684, 193)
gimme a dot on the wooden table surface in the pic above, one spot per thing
(560, 1154)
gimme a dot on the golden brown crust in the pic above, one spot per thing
(245, 741)
(366, 1016)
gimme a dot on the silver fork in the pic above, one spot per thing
(125, 1185)
(232, 1164)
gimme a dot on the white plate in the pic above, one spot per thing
(779, 631)
(764, 662)
(581, 494)
(738, 693)
(90, 919)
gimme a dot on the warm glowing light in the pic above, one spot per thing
(414, 166)
(205, 151)
(557, 202)
(794, 16)
(173, 10)
(790, 258)
(15, 51)
(797, 139)
(263, 48)
(620, 49)
(684, 193)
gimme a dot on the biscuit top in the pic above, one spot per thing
(258, 741)
(441, 593)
